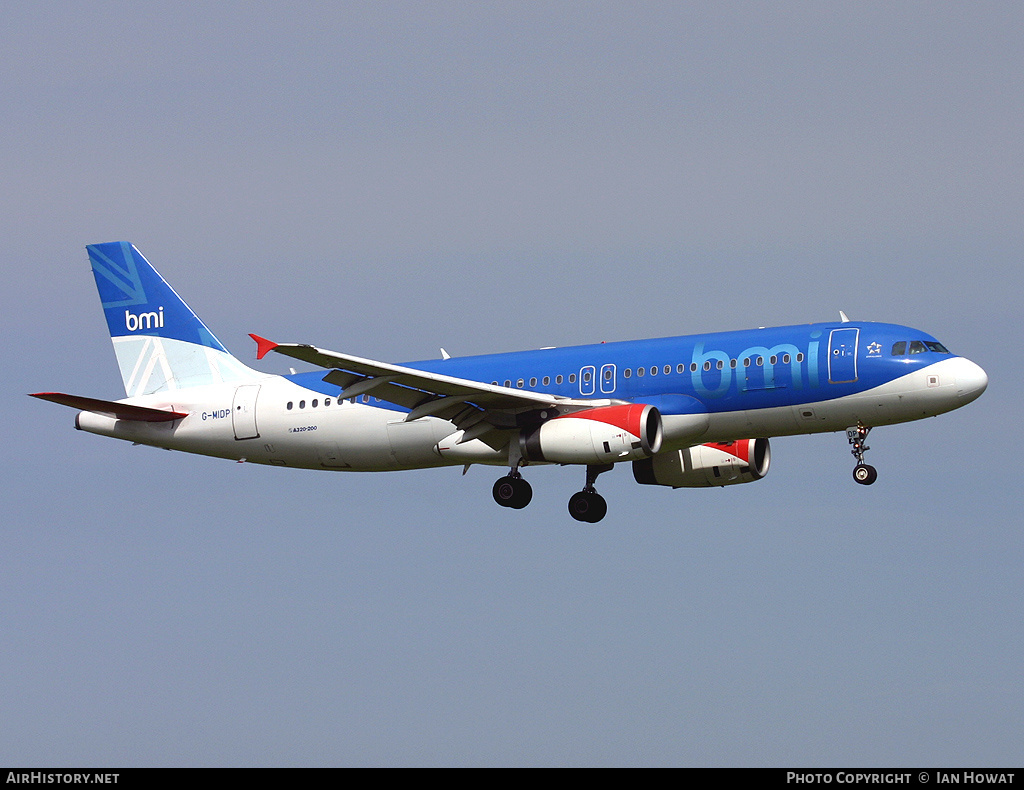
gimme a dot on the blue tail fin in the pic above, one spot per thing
(159, 342)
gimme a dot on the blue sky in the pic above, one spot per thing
(388, 178)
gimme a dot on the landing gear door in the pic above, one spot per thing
(243, 411)
(842, 356)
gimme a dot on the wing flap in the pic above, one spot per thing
(381, 387)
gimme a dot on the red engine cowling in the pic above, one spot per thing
(706, 465)
(595, 436)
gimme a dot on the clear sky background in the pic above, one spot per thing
(389, 178)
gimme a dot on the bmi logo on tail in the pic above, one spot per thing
(133, 323)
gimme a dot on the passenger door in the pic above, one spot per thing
(842, 356)
(243, 411)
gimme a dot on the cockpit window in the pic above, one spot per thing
(918, 347)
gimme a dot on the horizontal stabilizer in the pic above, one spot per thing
(120, 411)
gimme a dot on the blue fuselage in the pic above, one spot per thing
(721, 372)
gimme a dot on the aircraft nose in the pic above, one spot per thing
(971, 380)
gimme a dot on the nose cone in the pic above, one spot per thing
(971, 380)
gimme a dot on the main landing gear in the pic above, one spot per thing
(586, 505)
(863, 473)
(512, 491)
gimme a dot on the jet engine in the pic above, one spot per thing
(706, 465)
(595, 436)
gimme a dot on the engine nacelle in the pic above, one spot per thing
(595, 436)
(706, 465)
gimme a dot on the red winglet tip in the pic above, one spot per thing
(262, 345)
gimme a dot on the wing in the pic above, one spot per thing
(473, 406)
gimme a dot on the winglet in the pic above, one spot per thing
(262, 345)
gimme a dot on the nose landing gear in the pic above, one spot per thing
(863, 473)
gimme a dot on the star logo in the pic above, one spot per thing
(874, 349)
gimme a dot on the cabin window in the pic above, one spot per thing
(547, 380)
(707, 365)
(760, 361)
(586, 377)
(519, 383)
(680, 368)
(508, 382)
(668, 369)
(627, 373)
(608, 374)
(654, 370)
(302, 404)
(289, 405)
(533, 382)
(773, 359)
(732, 363)
(785, 359)
(800, 357)
(693, 367)
(572, 378)
(640, 371)
(746, 362)
(314, 403)
(558, 379)
(327, 402)
(720, 365)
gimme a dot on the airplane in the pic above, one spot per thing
(693, 411)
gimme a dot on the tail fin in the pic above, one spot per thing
(159, 342)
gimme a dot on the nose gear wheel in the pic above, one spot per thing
(863, 473)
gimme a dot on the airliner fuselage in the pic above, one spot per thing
(686, 411)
